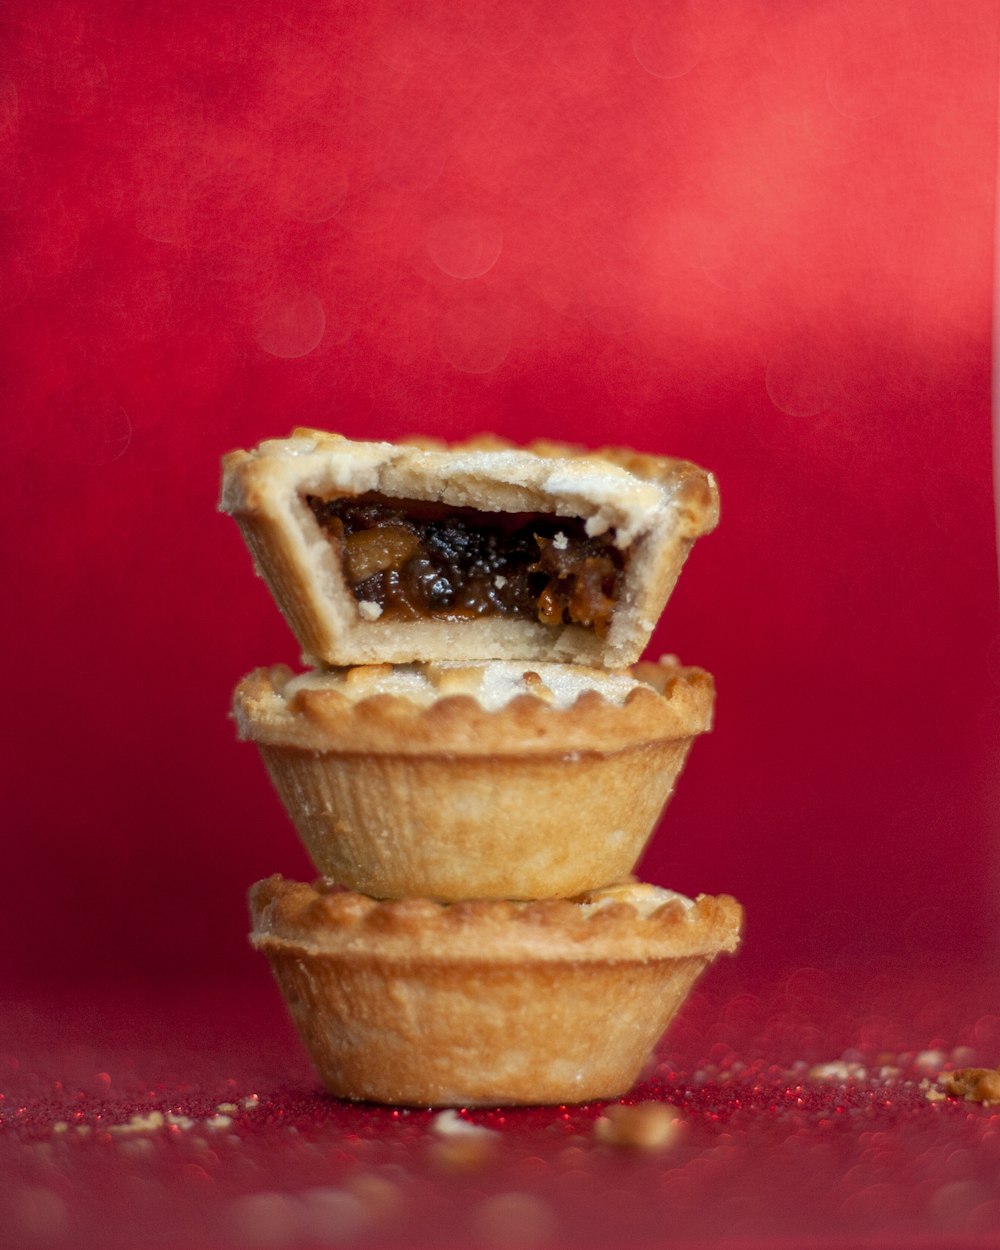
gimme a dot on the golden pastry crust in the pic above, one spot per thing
(655, 507)
(442, 708)
(629, 920)
(433, 794)
(417, 1003)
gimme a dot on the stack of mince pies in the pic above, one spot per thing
(475, 760)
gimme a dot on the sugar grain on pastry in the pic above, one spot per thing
(380, 552)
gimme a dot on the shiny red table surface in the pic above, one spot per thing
(803, 1099)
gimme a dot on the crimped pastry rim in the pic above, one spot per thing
(673, 702)
(344, 923)
(695, 494)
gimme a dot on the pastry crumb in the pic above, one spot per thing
(463, 1153)
(450, 1124)
(465, 1147)
(839, 1070)
(369, 609)
(973, 1084)
(514, 1219)
(375, 1193)
(643, 1126)
(139, 1123)
(930, 1061)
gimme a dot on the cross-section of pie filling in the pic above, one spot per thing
(408, 560)
(390, 553)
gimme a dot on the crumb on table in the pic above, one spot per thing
(973, 1084)
(643, 1126)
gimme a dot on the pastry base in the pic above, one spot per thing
(430, 826)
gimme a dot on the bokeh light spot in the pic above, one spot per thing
(465, 247)
(514, 1219)
(311, 193)
(42, 1215)
(331, 1216)
(666, 43)
(797, 382)
(291, 324)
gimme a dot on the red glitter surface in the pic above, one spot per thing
(758, 236)
(803, 1108)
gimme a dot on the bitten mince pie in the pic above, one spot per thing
(485, 1003)
(463, 781)
(390, 553)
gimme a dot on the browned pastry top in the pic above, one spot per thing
(627, 922)
(500, 708)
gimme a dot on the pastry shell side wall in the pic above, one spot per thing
(433, 1033)
(435, 826)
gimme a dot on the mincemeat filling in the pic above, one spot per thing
(419, 560)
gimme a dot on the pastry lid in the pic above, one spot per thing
(568, 555)
(628, 922)
(494, 708)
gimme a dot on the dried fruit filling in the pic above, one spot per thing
(413, 560)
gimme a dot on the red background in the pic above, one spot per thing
(759, 236)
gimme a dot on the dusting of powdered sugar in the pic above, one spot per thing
(493, 685)
(646, 899)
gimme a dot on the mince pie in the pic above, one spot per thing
(487, 1002)
(393, 553)
(459, 781)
